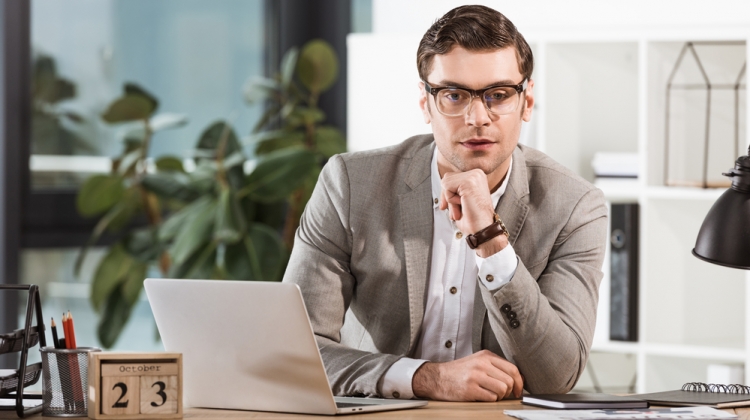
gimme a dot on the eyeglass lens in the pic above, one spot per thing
(501, 100)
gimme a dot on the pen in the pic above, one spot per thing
(55, 341)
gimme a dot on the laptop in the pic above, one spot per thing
(249, 346)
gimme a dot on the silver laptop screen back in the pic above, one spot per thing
(245, 345)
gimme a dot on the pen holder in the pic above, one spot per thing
(65, 381)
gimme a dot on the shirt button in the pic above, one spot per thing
(459, 235)
(490, 278)
(434, 201)
(453, 290)
(448, 344)
(396, 394)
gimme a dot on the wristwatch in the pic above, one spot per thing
(495, 229)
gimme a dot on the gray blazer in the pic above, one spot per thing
(362, 259)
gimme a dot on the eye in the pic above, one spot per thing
(452, 96)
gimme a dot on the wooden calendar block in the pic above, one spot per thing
(135, 385)
(158, 394)
(121, 395)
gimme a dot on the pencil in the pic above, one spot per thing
(55, 340)
(66, 330)
(72, 331)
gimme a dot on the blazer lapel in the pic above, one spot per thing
(417, 227)
(512, 209)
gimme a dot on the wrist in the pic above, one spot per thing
(425, 380)
(492, 247)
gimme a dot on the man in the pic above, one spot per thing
(414, 285)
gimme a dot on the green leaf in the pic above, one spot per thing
(143, 244)
(302, 116)
(329, 141)
(288, 64)
(286, 140)
(116, 314)
(132, 89)
(109, 275)
(211, 138)
(169, 229)
(127, 207)
(196, 231)
(260, 88)
(128, 108)
(229, 225)
(234, 160)
(318, 66)
(278, 174)
(176, 185)
(133, 282)
(99, 193)
(260, 255)
(169, 164)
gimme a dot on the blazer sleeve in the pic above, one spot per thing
(320, 266)
(555, 314)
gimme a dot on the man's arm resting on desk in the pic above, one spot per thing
(555, 313)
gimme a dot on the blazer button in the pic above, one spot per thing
(490, 278)
(453, 290)
(505, 308)
(396, 394)
(511, 315)
(448, 344)
(515, 324)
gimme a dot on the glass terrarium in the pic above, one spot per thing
(705, 113)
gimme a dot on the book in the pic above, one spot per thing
(584, 401)
(623, 302)
(700, 394)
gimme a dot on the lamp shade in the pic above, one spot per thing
(724, 237)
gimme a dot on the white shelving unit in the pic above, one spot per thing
(601, 90)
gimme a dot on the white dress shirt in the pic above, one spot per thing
(447, 323)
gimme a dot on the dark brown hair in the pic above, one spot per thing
(475, 28)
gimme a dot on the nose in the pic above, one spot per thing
(477, 114)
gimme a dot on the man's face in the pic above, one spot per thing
(479, 139)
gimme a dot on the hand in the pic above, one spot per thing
(467, 198)
(483, 376)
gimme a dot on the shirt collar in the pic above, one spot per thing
(435, 178)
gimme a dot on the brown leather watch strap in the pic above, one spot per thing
(497, 228)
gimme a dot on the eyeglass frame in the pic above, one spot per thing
(520, 88)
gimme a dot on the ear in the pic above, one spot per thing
(424, 105)
(528, 103)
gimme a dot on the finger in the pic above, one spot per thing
(494, 386)
(455, 211)
(503, 377)
(512, 371)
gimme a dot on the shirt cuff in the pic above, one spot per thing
(397, 380)
(496, 270)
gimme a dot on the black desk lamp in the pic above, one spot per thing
(724, 238)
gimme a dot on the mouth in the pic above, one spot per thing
(478, 144)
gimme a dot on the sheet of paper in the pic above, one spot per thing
(683, 413)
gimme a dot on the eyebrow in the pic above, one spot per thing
(463, 86)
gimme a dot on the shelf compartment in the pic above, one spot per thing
(9, 382)
(686, 301)
(13, 342)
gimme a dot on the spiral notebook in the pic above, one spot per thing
(697, 393)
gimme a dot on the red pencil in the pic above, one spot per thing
(72, 332)
(66, 330)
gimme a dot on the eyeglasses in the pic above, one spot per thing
(455, 102)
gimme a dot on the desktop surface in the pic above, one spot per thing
(434, 410)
